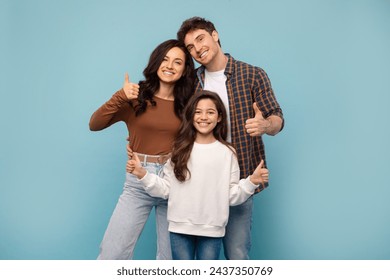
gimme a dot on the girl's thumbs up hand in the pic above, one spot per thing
(134, 167)
(260, 175)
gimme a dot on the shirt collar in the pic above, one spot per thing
(228, 70)
(229, 66)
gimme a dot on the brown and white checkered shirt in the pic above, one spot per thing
(246, 84)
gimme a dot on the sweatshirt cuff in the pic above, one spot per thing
(147, 180)
(250, 186)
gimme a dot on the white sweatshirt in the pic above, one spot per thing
(200, 205)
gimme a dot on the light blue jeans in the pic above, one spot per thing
(129, 218)
(191, 247)
(237, 240)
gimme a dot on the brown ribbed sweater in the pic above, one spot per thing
(150, 133)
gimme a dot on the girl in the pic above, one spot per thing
(201, 180)
(152, 112)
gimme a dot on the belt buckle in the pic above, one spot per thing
(160, 160)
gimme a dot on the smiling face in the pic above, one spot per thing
(172, 67)
(206, 118)
(202, 45)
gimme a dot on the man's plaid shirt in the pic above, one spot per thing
(245, 85)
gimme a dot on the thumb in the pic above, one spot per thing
(257, 111)
(261, 165)
(136, 158)
(258, 168)
(127, 80)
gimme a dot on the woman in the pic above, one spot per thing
(152, 112)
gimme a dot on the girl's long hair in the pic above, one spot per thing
(184, 142)
(183, 88)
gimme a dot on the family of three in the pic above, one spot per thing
(196, 153)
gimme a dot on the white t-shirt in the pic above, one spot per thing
(200, 205)
(216, 82)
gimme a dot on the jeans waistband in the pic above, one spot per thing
(161, 159)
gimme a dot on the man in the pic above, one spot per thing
(252, 110)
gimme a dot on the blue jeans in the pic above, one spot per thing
(237, 239)
(191, 247)
(129, 218)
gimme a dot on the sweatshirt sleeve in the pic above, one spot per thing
(157, 186)
(112, 111)
(240, 190)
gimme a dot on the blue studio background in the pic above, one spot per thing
(328, 62)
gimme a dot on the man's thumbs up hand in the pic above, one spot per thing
(257, 126)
